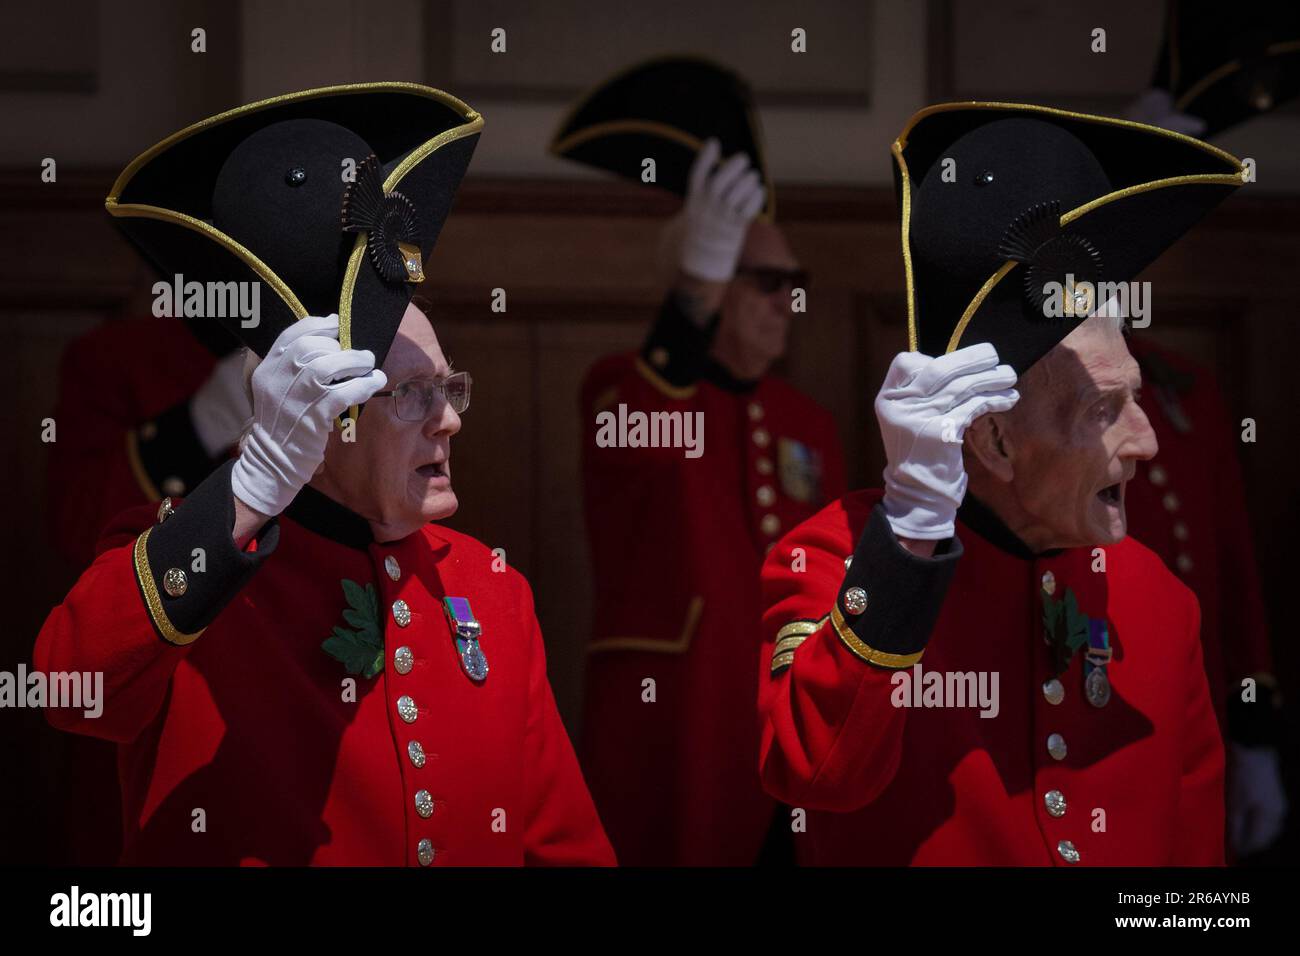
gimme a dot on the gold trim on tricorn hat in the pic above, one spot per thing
(167, 201)
(1110, 233)
(679, 100)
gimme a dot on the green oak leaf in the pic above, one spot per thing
(360, 651)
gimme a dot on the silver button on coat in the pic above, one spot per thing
(1056, 746)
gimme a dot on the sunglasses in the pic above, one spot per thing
(769, 279)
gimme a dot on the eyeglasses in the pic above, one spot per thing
(413, 400)
(769, 279)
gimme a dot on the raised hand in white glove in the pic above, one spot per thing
(1256, 798)
(923, 409)
(305, 381)
(1155, 107)
(219, 409)
(719, 208)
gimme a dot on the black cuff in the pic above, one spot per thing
(676, 350)
(183, 591)
(891, 598)
(1257, 723)
(171, 459)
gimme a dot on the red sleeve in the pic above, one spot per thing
(830, 739)
(121, 620)
(1199, 834)
(563, 828)
(103, 626)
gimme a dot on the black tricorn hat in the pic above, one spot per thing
(1227, 69)
(664, 109)
(1000, 199)
(330, 198)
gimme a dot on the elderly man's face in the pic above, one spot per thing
(1075, 438)
(755, 323)
(397, 473)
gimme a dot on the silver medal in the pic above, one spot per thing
(1097, 687)
(473, 660)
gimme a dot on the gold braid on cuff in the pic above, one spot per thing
(152, 600)
(865, 651)
(789, 638)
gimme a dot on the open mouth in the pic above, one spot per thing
(1111, 494)
(434, 469)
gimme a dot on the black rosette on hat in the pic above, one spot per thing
(390, 220)
(1049, 253)
(1063, 200)
(263, 194)
(665, 109)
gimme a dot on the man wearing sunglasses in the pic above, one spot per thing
(677, 541)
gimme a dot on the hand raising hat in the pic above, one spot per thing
(664, 110)
(1000, 199)
(331, 199)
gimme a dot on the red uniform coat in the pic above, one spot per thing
(677, 544)
(248, 721)
(1188, 504)
(1138, 781)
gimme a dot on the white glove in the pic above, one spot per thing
(219, 409)
(1256, 799)
(924, 408)
(719, 208)
(303, 384)
(1155, 107)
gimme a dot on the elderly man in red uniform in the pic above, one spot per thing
(977, 666)
(298, 667)
(672, 768)
(678, 533)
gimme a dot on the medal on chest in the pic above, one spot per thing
(1096, 684)
(466, 631)
(1066, 629)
